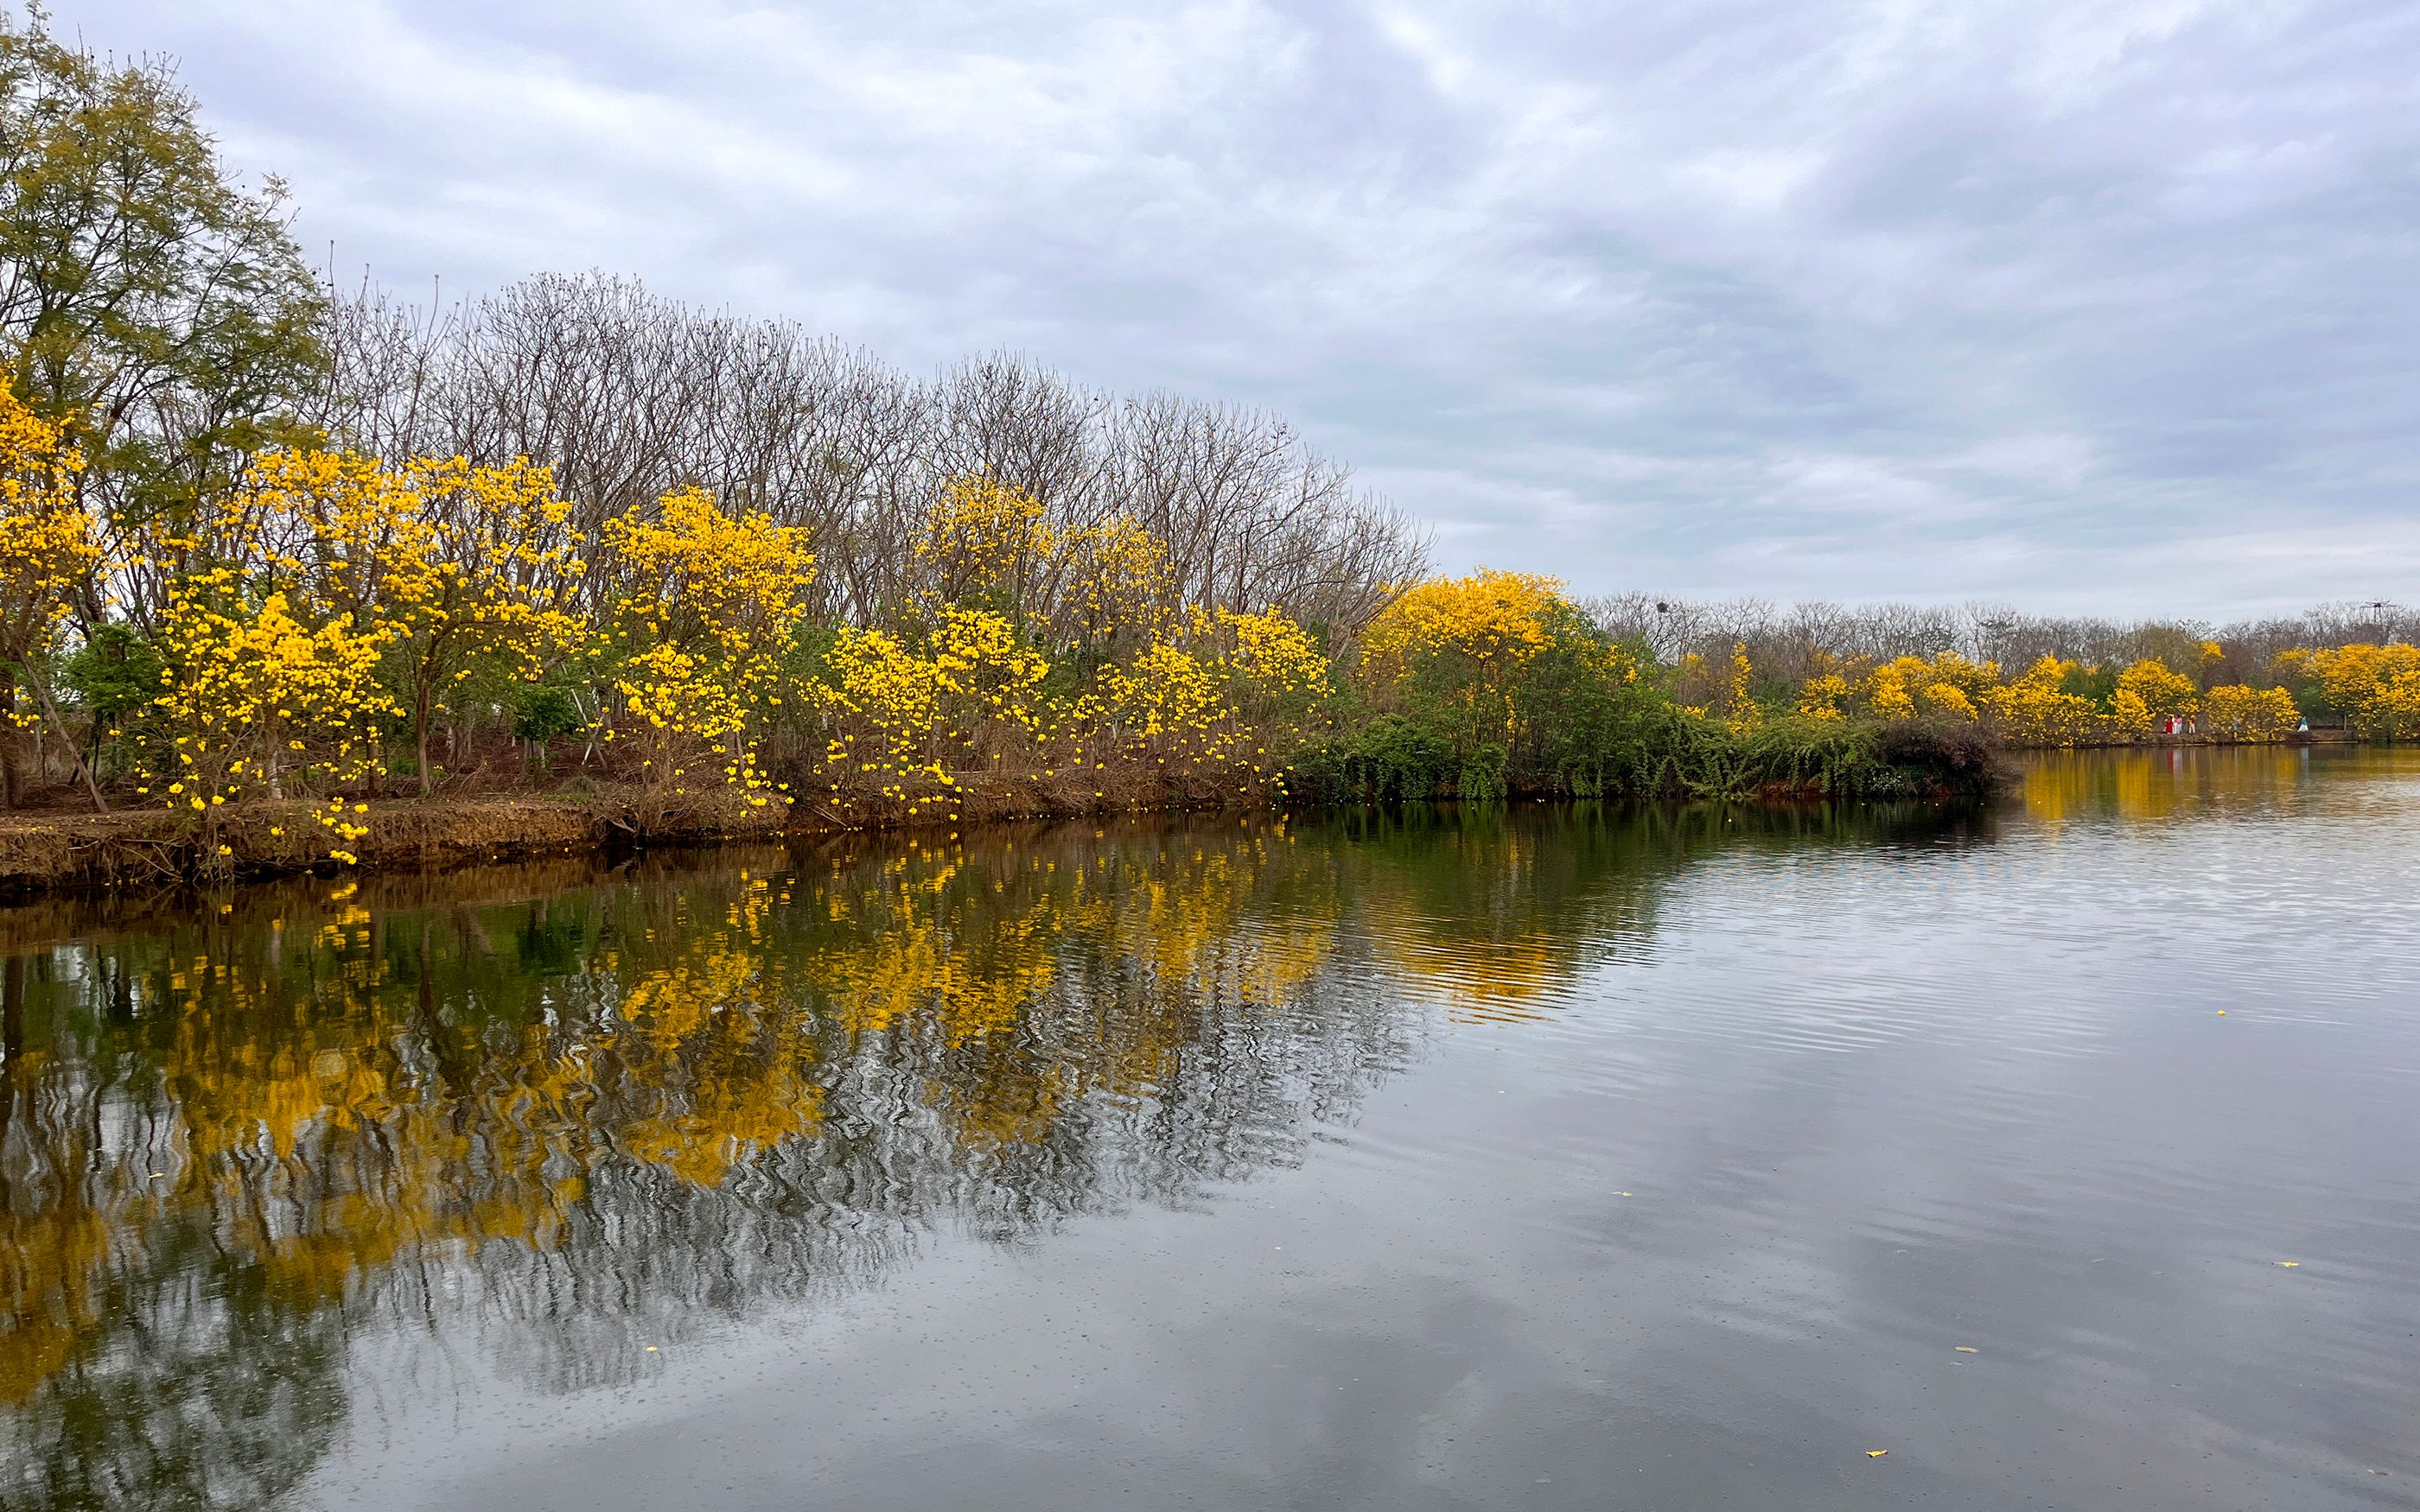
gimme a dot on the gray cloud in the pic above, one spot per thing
(2093, 305)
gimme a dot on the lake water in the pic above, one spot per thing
(1541, 1158)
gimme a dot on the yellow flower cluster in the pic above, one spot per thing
(264, 705)
(46, 545)
(2034, 710)
(1744, 714)
(1169, 705)
(1113, 579)
(1486, 618)
(332, 597)
(2148, 692)
(708, 606)
(2036, 707)
(2235, 712)
(451, 568)
(985, 545)
(2376, 687)
(1495, 663)
(1944, 686)
(1272, 667)
(325, 585)
(47, 551)
(980, 544)
(910, 716)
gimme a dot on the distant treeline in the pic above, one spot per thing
(1789, 645)
(2033, 681)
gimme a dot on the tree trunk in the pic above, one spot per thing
(51, 709)
(420, 739)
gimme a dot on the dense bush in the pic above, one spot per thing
(1495, 685)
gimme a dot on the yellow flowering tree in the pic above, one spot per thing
(1110, 585)
(1742, 714)
(1215, 698)
(705, 608)
(1826, 696)
(1454, 648)
(259, 704)
(2235, 712)
(2034, 710)
(980, 544)
(46, 551)
(452, 569)
(908, 716)
(1274, 671)
(2162, 693)
(2376, 688)
(1492, 678)
(1166, 705)
(1946, 686)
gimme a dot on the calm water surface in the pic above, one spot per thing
(1556, 1158)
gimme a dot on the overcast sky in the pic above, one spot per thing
(2104, 305)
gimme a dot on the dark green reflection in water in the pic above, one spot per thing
(562, 1113)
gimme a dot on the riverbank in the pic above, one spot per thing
(60, 850)
(63, 850)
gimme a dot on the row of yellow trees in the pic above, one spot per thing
(2376, 690)
(333, 610)
(2053, 702)
(1508, 658)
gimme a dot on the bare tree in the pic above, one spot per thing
(626, 394)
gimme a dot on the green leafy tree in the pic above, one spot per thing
(149, 301)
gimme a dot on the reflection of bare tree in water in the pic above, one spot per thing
(242, 1152)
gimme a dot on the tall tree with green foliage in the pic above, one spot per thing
(148, 300)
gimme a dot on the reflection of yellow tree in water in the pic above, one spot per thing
(2151, 786)
(710, 1071)
(961, 953)
(1499, 918)
(575, 1122)
(338, 1102)
(928, 938)
(1499, 914)
(55, 1266)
